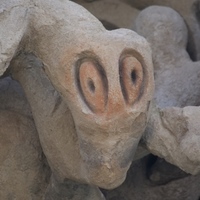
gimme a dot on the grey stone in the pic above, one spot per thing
(172, 132)
(176, 75)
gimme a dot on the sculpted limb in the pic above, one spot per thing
(189, 11)
(50, 113)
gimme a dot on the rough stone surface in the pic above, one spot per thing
(173, 134)
(21, 165)
(139, 186)
(112, 13)
(189, 10)
(89, 120)
(23, 172)
(176, 75)
(90, 100)
(171, 128)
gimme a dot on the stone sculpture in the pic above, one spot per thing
(90, 111)
(173, 132)
(89, 130)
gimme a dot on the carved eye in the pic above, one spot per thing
(93, 86)
(131, 78)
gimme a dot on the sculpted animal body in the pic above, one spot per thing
(91, 133)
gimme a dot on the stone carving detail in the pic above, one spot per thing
(91, 111)
(86, 104)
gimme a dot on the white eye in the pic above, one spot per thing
(131, 78)
(93, 86)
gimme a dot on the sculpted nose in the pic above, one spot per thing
(105, 94)
(109, 134)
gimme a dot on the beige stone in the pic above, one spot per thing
(13, 23)
(90, 133)
(23, 170)
(138, 186)
(91, 110)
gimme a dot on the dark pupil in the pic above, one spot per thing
(133, 76)
(91, 86)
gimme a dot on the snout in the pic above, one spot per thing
(107, 149)
(106, 165)
(109, 101)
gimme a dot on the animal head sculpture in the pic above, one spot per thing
(106, 81)
(108, 87)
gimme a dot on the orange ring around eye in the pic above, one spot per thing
(92, 86)
(131, 78)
